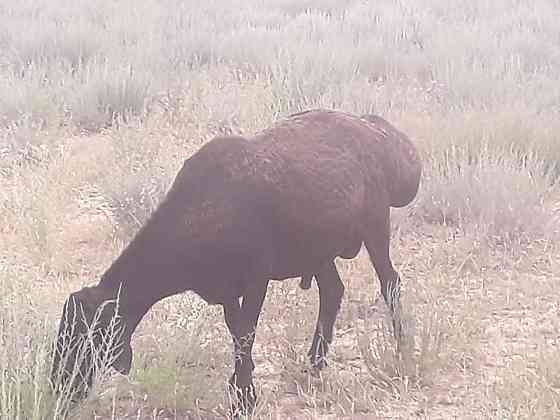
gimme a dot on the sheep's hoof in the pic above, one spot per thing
(243, 400)
(318, 360)
(316, 368)
(318, 364)
(318, 353)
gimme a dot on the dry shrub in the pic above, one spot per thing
(414, 362)
(184, 351)
(481, 103)
(530, 386)
(78, 222)
(501, 197)
(26, 350)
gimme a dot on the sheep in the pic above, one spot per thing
(241, 212)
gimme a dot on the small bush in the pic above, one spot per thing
(530, 387)
(110, 96)
(502, 197)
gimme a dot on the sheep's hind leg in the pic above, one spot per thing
(242, 320)
(378, 246)
(331, 291)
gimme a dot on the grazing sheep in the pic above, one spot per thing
(241, 212)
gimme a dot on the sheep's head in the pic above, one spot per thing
(91, 336)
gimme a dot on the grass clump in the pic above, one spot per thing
(530, 387)
(503, 196)
(101, 105)
(26, 355)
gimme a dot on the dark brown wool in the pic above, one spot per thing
(281, 204)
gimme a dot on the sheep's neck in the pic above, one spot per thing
(137, 278)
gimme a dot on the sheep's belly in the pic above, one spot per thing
(292, 257)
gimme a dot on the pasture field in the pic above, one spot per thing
(100, 103)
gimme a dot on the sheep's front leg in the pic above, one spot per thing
(331, 291)
(241, 320)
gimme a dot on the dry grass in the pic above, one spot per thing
(102, 102)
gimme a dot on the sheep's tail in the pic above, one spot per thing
(403, 162)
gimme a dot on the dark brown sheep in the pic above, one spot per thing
(285, 203)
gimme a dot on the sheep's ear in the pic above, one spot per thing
(85, 302)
